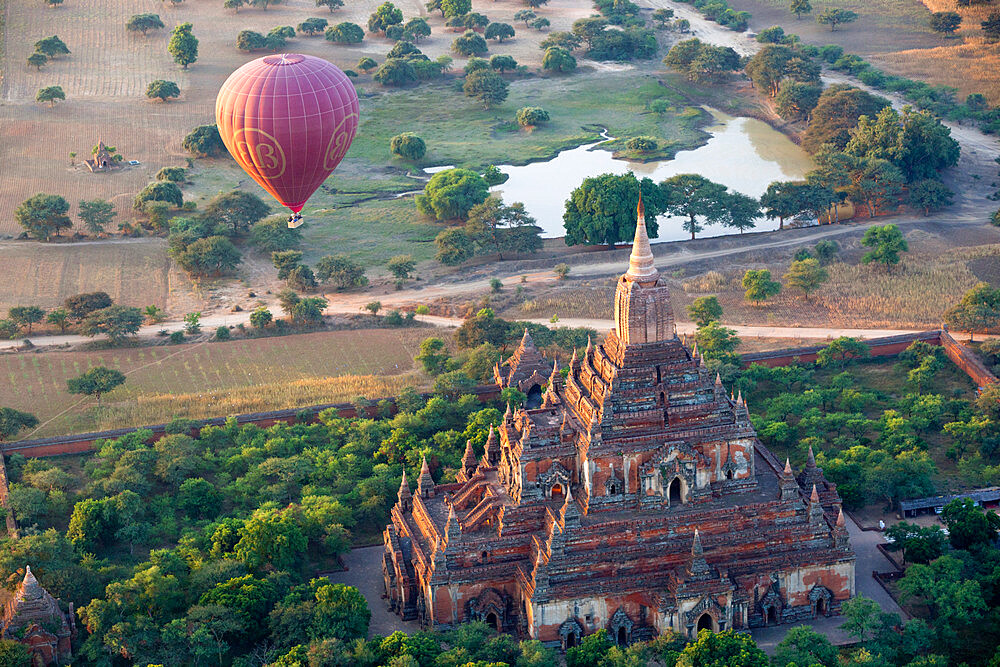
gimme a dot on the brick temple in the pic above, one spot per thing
(635, 498)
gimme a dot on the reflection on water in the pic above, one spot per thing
(744, 154)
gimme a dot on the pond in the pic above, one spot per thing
(744, 154)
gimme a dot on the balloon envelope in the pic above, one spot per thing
(288, 119)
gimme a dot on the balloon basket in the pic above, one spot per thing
(296, 224)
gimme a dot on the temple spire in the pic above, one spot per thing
(425, 483)
(640, 263)
(469, 460)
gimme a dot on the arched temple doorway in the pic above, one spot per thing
(675, 491)
(705, 623)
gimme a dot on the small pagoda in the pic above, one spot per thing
(103, 159)
(34, 618)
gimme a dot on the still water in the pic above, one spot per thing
(744, 154)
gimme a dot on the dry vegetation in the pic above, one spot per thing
(232, 377)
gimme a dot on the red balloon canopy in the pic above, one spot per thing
(288, 119)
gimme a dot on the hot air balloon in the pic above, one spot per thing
(288, 119)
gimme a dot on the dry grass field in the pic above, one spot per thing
(133, 273)
(932, 277)
(211, 379)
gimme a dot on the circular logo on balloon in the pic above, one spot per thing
(256, 148)
(340, 141)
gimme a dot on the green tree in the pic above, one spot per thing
(96, 382)
(705, 309)
(800, 7)
(804, 646)
(722, 649)
(312, 26)
(50, 95)
(774, 62)
(916, 142)
(37, 59)
(43, 216)
(13, 654)
(694, 196)
(930, 195)
(81, 305)
(449, 194)
(332, 4)
(162, 90)
(183, 45)
(204, 140)
(502, 63)
(58, 317)
(416, 28)
(453, 247)
(496, 228)
(991, 27)
(408, 146)
(236, 210)
(558, 59)
(470, 44)
(837, 113)
(273, 235)
(919, 544)
(740, 211)
(945, 23)
(499, 31)
(286, 261)
(591, 650)
(806, 275)
(26, 316)
(781, 200)
(968, 524)
(759, 286)
(452, 8)
(716, 341)
(249, 40)
(603, 209)
(211, 256)
(836, 16)
(52, 47)
(826, 250)
(172, 174)
(886, 244)
(260, 317)
(395, 72)
(952, 601)
(14, 421)
(401, 266)
(341, 271)
(841, 350)
(345, 33)
(144, 23)
(159, 191)
(433, 356)
(979, 309)
(662, 17)
(861, 616)
(271, 539)
(385, 15)
(796, 100)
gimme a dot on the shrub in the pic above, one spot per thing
(408, 146)
(222, 333)
(561, 270)
(531, 116)
(177, 336)
(642, 144)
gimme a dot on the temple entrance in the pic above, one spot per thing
(622, 637)
(772, 616)
(675, 491)
(821, 607)
(557, 491)
(534, 399)
(491, 620)
(704, 622)
(729, 475)
(571, 640)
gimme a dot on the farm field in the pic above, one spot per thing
(231, 377)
